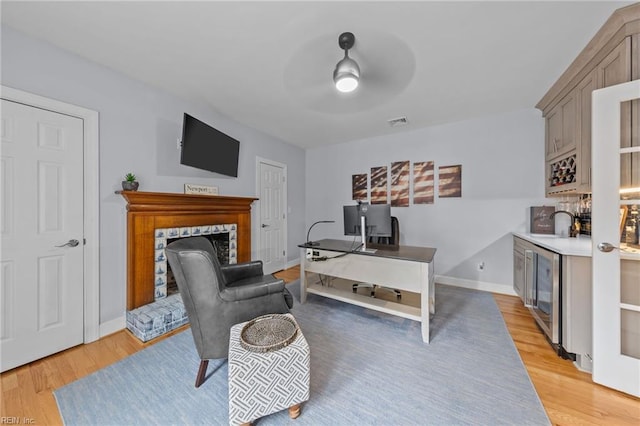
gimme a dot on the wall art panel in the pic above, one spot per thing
(450, 181)
(400, 184)
(359, 187)
(379, 185)
(423, 182)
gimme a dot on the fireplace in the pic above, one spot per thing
(148, 212)
(156, 219)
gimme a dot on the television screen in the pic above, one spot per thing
(206, 148)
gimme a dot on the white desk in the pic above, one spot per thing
(403, 268)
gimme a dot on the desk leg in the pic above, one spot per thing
(432, 289)
(425, 300)
(303, 276)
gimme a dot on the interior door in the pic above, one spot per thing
(272, 221)
(616, 263)
(41, 220)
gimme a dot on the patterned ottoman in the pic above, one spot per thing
(265, 383)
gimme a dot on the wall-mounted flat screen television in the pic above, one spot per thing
(206, 148)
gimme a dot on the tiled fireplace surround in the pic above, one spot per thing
(152, 220)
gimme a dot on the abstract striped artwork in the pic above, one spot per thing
(400, 184)
(450, 181)
(359, 187)
(423, 182)
(379, 185)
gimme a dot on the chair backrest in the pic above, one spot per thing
(395, 234)
(197, 271)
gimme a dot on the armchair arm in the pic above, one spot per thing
(252, 287)
(240, 271)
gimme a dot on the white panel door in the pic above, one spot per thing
(41, 222)
(616, 269)
(272, 216)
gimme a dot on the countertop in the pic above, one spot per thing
(578, 246)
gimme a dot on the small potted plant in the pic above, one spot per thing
(130, 183)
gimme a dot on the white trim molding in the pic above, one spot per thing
(113, 326)
(292, 263)
(90, 119)
(475, 285)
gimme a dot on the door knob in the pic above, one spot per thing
(70, 243)
(606, 247)
(264, 225)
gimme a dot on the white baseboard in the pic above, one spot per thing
(112, 326)
(292, 263)
(475, 285)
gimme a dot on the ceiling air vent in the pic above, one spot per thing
(400, 121)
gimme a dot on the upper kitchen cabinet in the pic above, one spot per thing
(610, 58)
(561, 128)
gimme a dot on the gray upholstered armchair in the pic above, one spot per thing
(218, 296)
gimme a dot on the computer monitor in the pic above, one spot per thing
(377, 220)
(351, 220)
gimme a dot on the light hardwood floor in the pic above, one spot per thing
(568, 395)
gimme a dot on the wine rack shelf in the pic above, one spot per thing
(563, 171)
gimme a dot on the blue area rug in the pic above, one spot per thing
(367, 368)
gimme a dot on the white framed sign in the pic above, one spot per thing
(190, 188)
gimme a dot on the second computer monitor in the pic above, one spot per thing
(377, 219)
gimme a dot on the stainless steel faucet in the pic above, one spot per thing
(574, 227)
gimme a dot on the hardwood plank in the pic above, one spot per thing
(567, 394)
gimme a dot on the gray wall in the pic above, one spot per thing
(502, 160)
(139, 126)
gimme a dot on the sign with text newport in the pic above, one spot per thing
(190, 188)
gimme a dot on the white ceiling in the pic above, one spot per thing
(269, 65)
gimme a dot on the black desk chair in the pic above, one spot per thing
(394, 240)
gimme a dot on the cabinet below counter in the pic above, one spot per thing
(573, 294)
(552, 276)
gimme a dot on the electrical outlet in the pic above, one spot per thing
(309, 253)
(481, 266)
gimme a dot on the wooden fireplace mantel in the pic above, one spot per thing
(148, 211)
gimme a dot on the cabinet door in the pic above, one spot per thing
(561, 127)
(583, 172)
(576, 309)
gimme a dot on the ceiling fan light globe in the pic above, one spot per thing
(346, 75)
(346, 83)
